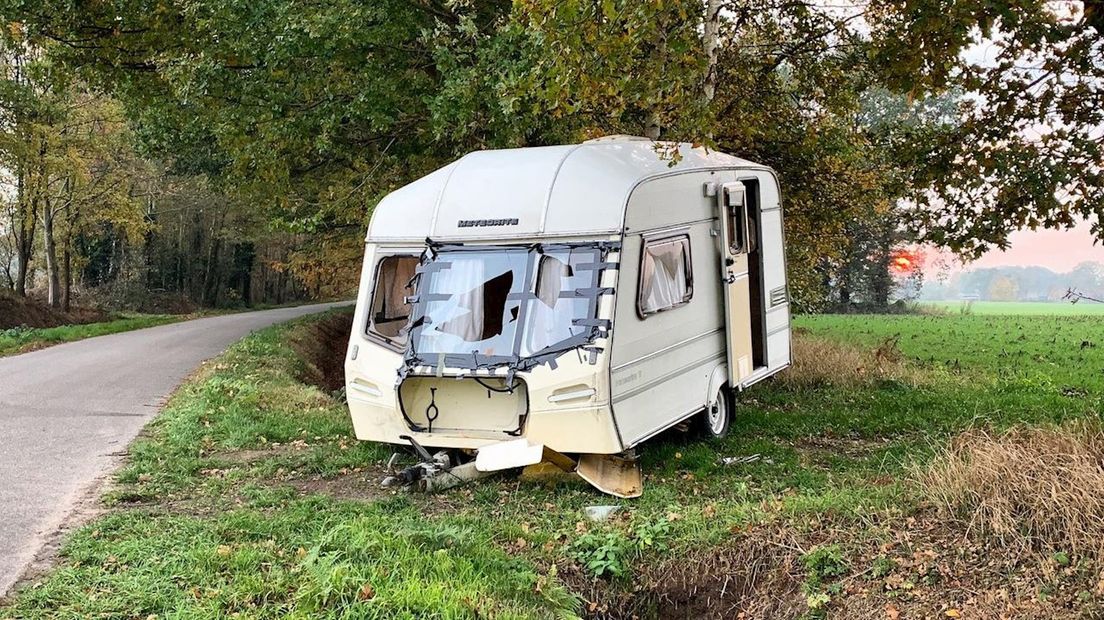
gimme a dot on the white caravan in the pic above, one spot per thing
(582, 297)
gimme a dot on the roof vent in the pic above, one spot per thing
(620, 137)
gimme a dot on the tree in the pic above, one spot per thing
(1003, 288)
(311, 114)
(1026, 148)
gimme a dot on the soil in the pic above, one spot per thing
(363, 486)
(907, 567)
(29, 312)
(754, 575)
(322, 349)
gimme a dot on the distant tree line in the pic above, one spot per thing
(80, 207)
(1018, 284)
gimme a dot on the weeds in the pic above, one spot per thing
(611, 552)
(1028, 488)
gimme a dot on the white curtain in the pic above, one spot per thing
(664, 276)
(549, 317)
(462, 314)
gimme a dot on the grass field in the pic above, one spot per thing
(21, 340)
(248, 498)
(1041, 308)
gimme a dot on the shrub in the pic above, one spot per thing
(824, 563)
(612, 552)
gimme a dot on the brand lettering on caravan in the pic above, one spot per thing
(509, 221)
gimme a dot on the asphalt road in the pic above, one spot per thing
(67, 411)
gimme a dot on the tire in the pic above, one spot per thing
(715, 420)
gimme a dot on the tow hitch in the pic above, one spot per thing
(433, 472)
(619, 476)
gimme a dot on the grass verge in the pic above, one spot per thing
(21, 340)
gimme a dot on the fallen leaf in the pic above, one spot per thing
(954, 613)
(366, 593)
(892, 613)
(223, 550)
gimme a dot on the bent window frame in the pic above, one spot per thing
(513, 361)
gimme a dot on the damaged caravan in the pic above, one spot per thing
(578, 298)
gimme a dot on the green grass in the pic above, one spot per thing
(1047, 308)
(19, 339)
(224, 508)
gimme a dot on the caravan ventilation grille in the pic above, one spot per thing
(778, 296)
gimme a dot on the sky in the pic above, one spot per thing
(1057, 250)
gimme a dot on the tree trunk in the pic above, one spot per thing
(211, 278)
(24, 224)
(711, 36)
(66, 292)
(53, 293)
(883, 281)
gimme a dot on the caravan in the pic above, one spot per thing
(583, 297)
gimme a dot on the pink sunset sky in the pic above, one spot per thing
(1057, 250)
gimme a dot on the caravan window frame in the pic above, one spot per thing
(390, 343)
(647, 242)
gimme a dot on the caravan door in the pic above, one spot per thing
(734, 242)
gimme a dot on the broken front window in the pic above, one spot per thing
(467, 305)
(502, 305)
(390, 311)
(551, 318)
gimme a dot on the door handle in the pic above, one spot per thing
(730, 278)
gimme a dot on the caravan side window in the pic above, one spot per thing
(666, 280)
(389, 310)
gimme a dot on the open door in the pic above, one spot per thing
(732, 203)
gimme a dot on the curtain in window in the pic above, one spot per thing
(549, 317)
(663, 281)
(389, 308)
(462, 315)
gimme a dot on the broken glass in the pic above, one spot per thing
(505, 305)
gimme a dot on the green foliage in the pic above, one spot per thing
(308, 117)
(610, 552)
(603, 553)
(303, 117)
(1024, 152)
(824, 563)
(882, 567)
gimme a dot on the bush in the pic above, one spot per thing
(1028, 488)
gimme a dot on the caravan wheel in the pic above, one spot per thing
(716, 418)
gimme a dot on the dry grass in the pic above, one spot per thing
(821, 362)
(1028, 488)
(757, 574)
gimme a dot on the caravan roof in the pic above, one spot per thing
(566, 190)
